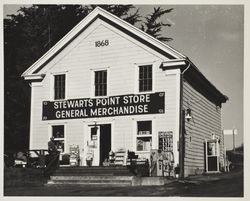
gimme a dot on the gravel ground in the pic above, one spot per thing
(218, 185)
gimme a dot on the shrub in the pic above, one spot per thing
(65, 159)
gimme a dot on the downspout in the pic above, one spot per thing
(182, 126)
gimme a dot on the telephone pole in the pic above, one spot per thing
(234, 139)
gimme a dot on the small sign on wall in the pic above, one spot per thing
(165, 140)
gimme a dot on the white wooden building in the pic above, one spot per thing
(107, 85)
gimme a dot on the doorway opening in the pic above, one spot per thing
(105, 142)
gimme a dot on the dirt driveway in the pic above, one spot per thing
(220, 185)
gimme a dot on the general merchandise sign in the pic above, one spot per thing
(132, 104)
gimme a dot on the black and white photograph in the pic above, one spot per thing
(123, 99)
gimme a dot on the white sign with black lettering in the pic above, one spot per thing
(230, 132)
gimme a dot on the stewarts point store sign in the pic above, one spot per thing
(133, 104)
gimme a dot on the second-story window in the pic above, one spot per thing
(145, 78)
(59, 86)
(101, 83)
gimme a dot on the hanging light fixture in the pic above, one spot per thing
(188, 115)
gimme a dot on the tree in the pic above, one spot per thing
(28, 35)
(121, 11)
(153, 25)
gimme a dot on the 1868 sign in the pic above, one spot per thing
(133, 104)
(101, 43)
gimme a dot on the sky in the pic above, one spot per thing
(212, 37)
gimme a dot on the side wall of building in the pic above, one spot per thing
(206, 120)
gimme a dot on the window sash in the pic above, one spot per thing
(143, 143)
(144, 136)
(143, 128)
(59, 138)
(145, 78)
(59, 86)
(101, 83)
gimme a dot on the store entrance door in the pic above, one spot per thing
(98, 144)
(105, 142)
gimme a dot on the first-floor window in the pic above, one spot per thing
(58, 133)
(144, 136)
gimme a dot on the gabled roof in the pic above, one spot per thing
(33, 71)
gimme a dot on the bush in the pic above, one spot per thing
(65, 159)
(141, 170)
(235, 157)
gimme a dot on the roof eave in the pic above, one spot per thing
(33, 77)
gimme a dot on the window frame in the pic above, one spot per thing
(150, 135)
(60, 88)
(58, 139)
(137, 81)
(93, 71)
(144, 80)
(52, 88)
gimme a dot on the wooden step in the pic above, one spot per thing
(100, 183)
(94, 167)
(95, 175)
(120, 173)
(95, 170)
(106, 178)
(92, 180)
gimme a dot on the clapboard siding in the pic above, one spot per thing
(120, 58)
(123, 136)
(114, 56)
(206, 119)
(39, 130)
